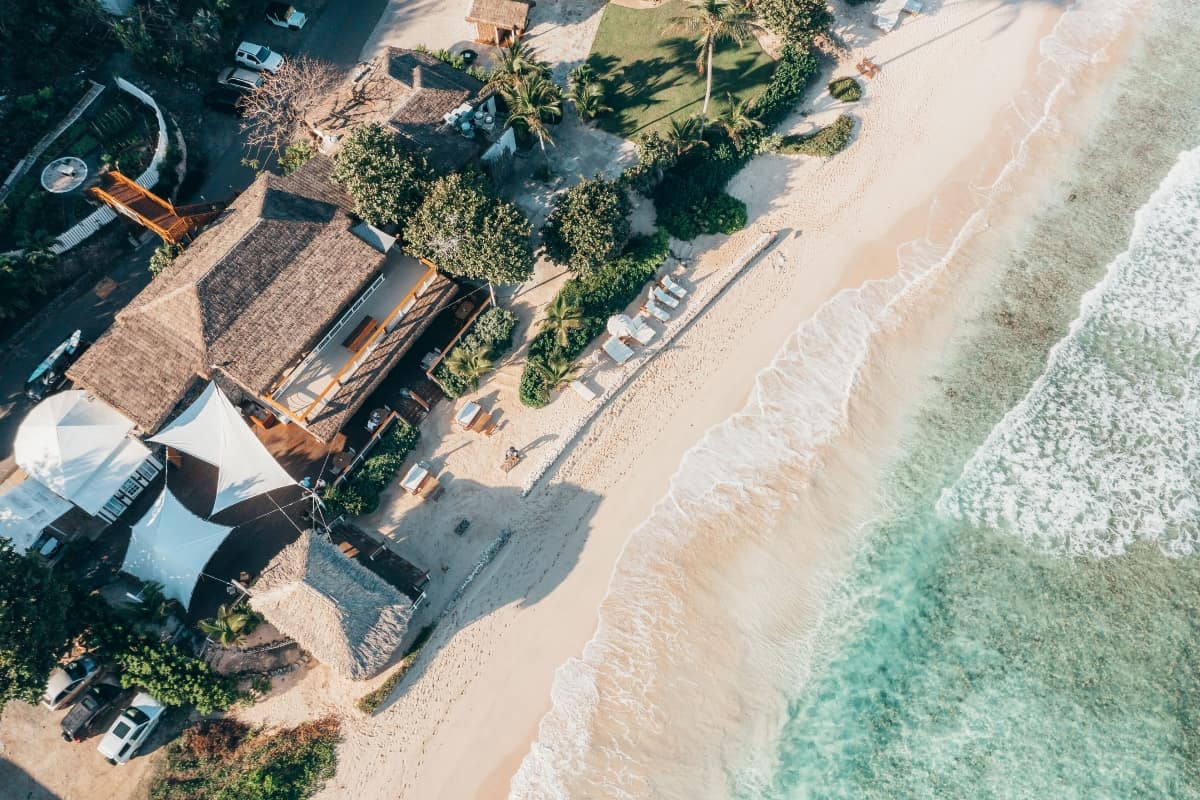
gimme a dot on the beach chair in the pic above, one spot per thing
(617, 350)
(673, 287)
(583, 390)
(654, 309)
(641, 331)
(665, 297)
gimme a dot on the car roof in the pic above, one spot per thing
(148, 705)
(251, 46)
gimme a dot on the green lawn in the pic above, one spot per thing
(651, 76)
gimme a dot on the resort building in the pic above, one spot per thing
(348, 617)
(453, 118)
(286, 301)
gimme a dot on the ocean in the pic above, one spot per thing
(990, 595)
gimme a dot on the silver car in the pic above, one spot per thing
(65, 683)
(131, 729)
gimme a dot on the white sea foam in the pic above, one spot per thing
(1104, 450)
(653, 616)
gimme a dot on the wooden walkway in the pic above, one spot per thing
(173, 225)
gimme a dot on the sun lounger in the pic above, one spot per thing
(665, 298)
(656, 310)
(583, 391)
(617, 350)
(641, 331)
(673, 287)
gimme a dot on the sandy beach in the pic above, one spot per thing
(929, 142)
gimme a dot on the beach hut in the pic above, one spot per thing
(348, 617)
(499, 22)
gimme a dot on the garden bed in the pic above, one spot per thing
(117, 131)
(31, 116)
(359, 492)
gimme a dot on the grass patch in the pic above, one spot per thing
(650, 76)
(847, 89)
(224, 759)
(827, 141)
(369, 703)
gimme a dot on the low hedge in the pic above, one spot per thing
(359, 493)
(491, 330)
(599, 294)
(847, 89)
(705, 213)
(826, 142)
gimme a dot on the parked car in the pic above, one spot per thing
(284, 16)
(131, 729)
(93, 703)
(51, 374)
(256, 56)
(240, 79)
(65, 683)
(225, 99)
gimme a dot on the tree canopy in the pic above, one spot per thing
(588, 225)
(35, 629)
(465, 229)
(386, 182)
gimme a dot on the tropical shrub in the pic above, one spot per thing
(600, 294)
(796, 21)
(296, 156)
(164, 256)
(846, 89)
(467, 230)
(491, 330)
(360, 492)
(173, 677)
(24, 281)
(387, 183)
(36, 624)
(588, 225)
(826, 142)
(706, 213)
(226, 760)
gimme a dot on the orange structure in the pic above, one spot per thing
(174, 225)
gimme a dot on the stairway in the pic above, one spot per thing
(173, 225)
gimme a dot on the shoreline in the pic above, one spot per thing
(467, 716)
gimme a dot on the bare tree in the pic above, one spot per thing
(284, 107)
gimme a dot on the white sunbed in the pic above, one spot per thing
(583, 390)
(617, 350)
(641, 331)
(665, 298)
(656, 310)
(673, 287)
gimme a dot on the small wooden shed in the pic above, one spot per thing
(499, 22)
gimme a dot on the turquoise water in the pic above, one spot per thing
(1024, 623)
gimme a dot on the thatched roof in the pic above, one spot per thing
(345, 615)
(510, 14)
(242, 303)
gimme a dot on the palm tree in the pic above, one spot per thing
(686, 134)
(562, 316)
(589, 99)
(557, 371)
(469, 364)
(710, 22)
(228, 628)
(154, 606)
(515, 62)
(534, 101)
(738, 119)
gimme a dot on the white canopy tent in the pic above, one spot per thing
(212, 430)
(79, 448)
(172, 545)
(26, 510)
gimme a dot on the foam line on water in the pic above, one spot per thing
(800, 401)
(1104, 450)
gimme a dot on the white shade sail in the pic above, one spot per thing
(25, 511)
(79, 448)
(172, 545)
(212, 430)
